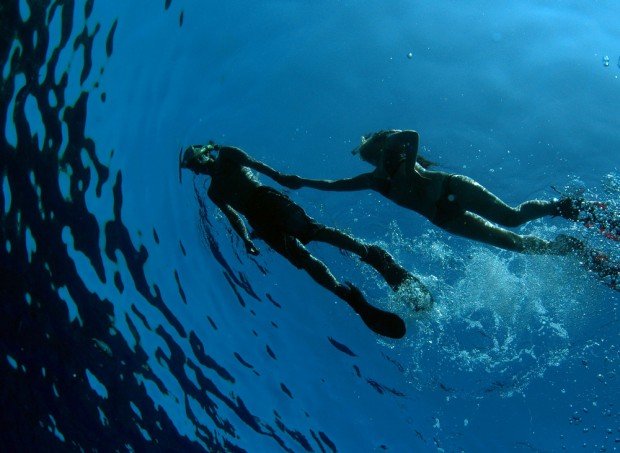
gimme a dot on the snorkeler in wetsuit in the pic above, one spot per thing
(286, 228)
(455, 203)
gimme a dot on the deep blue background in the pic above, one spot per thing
(518, 353)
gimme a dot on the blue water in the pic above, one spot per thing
(133, 319)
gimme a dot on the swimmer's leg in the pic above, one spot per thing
(384, 263)
(379, 321)
(341, 240)
(396, 276)
(474, 227)
(473, 197)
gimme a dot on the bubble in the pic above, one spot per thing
(486, 311)
(410, 55)
(606, 61)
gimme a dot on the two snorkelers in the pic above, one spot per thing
(286, 228)
(455, 203)
(462, 206)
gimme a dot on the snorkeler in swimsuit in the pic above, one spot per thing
(455, 203)
(286, 228)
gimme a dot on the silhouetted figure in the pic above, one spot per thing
(459, 204)
(286, 228)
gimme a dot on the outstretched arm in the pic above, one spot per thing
(242, 158)
(237, 223)
(361, 182)
(408, 142)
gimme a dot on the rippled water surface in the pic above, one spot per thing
(132, 318)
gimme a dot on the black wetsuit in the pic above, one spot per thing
(273, 215)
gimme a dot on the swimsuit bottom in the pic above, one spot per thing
(272, 215)
(448, 208)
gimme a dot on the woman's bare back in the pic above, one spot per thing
(417, 190)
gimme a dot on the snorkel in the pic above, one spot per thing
(197, 157)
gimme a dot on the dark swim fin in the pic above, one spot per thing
(383, 322)
(593, 214)
(379, 321)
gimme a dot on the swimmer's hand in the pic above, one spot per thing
(251, 249)
(290, 181)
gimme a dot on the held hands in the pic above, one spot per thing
(290, 181)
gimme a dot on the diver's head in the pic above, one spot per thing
(372, 145)
(198, 158)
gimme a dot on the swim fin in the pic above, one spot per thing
(379, 321)
(593, 214)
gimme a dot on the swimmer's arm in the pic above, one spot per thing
(242, 158)
(237, 224)
(408, 141)
(361, 182)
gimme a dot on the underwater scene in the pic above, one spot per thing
(316, 226)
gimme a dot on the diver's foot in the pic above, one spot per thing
(588, 212)
(381, 322)
(393, 273)
(569, 208)
(564, 245)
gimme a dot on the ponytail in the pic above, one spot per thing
(425, 163)
(377, 141)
